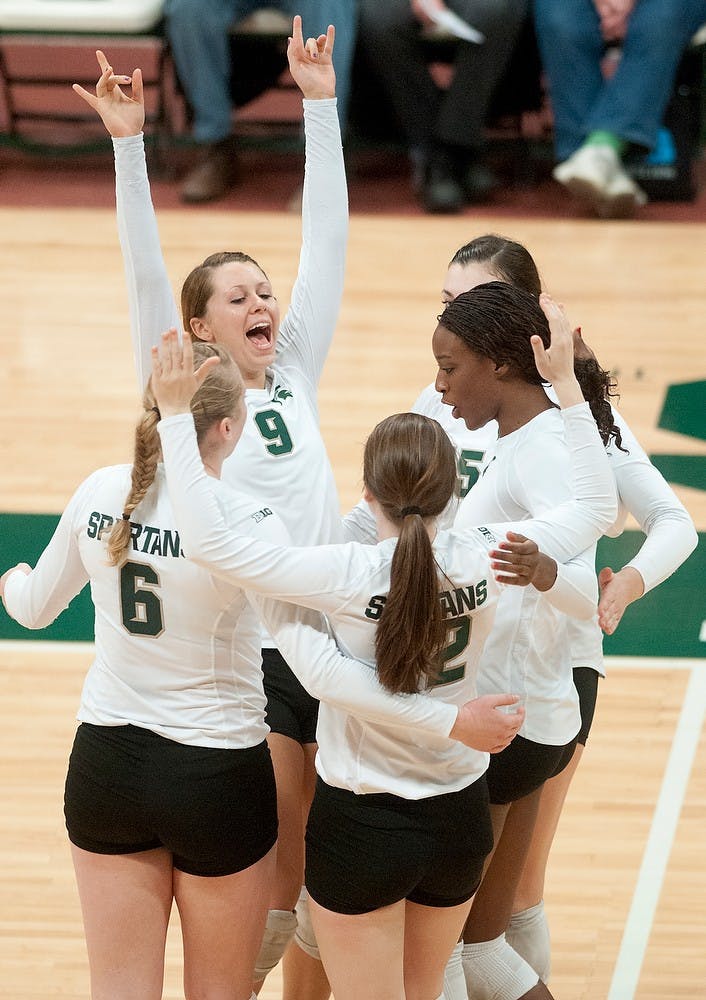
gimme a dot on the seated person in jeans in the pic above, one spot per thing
(443, 129)
(598, 118)
(198, 32)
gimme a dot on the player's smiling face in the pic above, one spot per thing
(243, 315)
(466, 380)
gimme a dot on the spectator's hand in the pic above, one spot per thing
(483, 725)
(122, 115)
(420, 9)
(614, 16)
(311, 64)
(517, 561)
(617, 591)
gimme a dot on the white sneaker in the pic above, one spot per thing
(596, 174)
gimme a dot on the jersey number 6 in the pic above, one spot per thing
(140, 607)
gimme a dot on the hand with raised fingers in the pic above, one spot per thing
(311, 62)
(617, 591)
(489, 723)
(174, 381)
(517, 561)
(556, 363)
(121, 115)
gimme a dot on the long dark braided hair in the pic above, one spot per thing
(497, 321)
(512, 262)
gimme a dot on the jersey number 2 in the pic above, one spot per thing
(140, 606)
(459, 635)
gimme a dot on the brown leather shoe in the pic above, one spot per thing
(214, 175)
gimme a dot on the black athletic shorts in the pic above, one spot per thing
(291, 710)
(523, 766)
(586, 683)
(368, 851)
(128, 790)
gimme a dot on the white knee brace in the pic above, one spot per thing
(304, 936)
(279, 931)
(454, 980)
(494, 971)
(528, 933)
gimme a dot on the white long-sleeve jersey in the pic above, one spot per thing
(177, 649)
(349, 583)
(281, 456)
(529, 648)
(642, 492)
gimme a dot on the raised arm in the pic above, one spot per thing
(150, 296)
(307, 329)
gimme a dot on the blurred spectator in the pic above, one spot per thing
(198, 32)
(443, 129)
(603, 110)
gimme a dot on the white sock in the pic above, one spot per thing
(528, 933)
(454, 980)
(494, 971)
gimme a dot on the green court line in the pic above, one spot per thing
(684, 470)
(684, 409)
(666, 622)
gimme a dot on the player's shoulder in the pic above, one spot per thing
(106, 480)
(470, 538)
(541, 436)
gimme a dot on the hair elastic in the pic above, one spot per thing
(410, 510)
(126, 517)
(155, 409)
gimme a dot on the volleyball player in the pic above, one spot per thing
(230, 300)
(388, 904)
(170, 791)
(175, 689)
(642, 492)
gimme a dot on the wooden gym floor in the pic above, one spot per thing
(627, 884)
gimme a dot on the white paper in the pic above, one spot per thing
(452, 23)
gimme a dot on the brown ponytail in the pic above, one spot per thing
(409, 466)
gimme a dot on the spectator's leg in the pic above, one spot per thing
(571, 47)
(389, 34)
(633, 102)
(477, 71)
(343, 14)
(200, 43)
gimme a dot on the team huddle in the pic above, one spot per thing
(341, 740)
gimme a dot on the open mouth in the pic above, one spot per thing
(260, 335)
